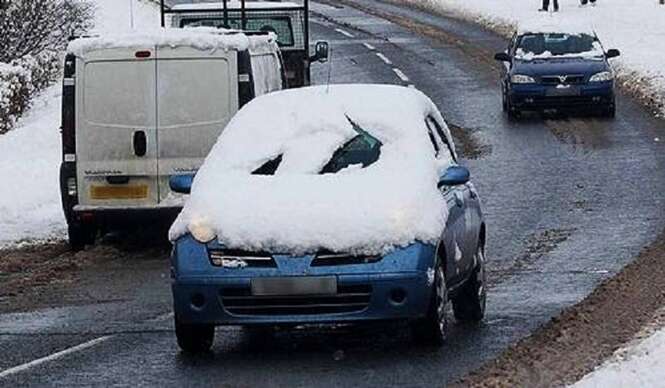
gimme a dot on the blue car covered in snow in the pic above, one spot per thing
(557, 67)
(352, 210)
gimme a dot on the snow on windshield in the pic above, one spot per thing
(557, 45)
(292, 207)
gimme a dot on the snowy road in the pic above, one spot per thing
(568, 201)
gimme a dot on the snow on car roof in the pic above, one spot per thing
(392, 202)
(552, 24)
(202, 38)
(236, 5)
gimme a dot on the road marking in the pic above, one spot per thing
(54, 356)
(345, 33)
(369, 46)
(401, 75)
(384, 58)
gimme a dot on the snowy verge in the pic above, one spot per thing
(635, 27)
(640, 365)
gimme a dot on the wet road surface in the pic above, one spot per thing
(568, 201)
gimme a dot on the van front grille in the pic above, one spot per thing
(240, 301)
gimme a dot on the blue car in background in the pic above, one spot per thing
(253, 277)
(549, 69)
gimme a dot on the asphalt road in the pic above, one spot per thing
(569, 201)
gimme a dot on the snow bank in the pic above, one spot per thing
(392, 202)
(642, 365)
(202, 38)
(635, 27)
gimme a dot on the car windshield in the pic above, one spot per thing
(364, 149)
(546, 45)
(281, 26)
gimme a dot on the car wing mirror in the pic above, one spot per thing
(612, 53)
(321, 51)
(454, 175)
(181, 183)
(503, 57)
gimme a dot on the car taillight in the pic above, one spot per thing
(69, 106)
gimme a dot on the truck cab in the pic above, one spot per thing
(288, 20)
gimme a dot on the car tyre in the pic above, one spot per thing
(81, 235)
(434, 328)
(610, 112)
(469, 304)
(512, 112)
(194, 338)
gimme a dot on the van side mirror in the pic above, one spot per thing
(181, 183)
(320, 52)
(612, 53)
(503, 57)
(454, 175)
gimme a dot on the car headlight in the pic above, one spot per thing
(521, 79)
(603, 76)
(201, 231)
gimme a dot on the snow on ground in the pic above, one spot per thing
(635, 27)
(641, 365)
(29, 194)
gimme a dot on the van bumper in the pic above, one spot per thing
(123, 216)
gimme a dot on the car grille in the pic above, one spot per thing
(324, 259)
(240, 258)
(572, 79)
(240, 301)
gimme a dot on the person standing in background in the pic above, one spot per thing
(546, 5)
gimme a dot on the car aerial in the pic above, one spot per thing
(557, 66)
(329, 204)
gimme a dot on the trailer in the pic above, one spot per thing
(289, 20)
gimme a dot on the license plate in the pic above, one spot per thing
(119, 192)
(563, 91)
(297, 285)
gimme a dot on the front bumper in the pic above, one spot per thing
(387, 290)
(541, 97)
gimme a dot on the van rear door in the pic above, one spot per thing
(116, 138)
(197, 93)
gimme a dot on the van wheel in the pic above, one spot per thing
(433, 329)
(193, 338)
(469, 303)
(81, 235)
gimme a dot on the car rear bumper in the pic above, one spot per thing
(541, 97)
(359, 297)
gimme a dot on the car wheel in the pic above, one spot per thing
(610, 111)
(194, 338)
(512, 112)
(469, 303)
(433, 329)
(81, 235)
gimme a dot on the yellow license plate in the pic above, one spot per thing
(119, 192)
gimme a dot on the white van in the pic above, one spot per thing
(141, 107)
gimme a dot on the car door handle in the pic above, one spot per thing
(140, 143)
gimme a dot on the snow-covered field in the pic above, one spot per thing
(29, 194)
(635, 27)
(641, 365)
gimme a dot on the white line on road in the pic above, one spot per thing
(401, 75)
(384, 58)
(54, 356)
(345, 33)
(369, 46)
